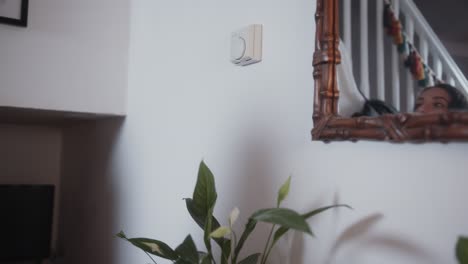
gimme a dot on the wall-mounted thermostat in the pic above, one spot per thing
(246, 45)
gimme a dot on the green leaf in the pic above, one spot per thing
(187, 250)
(207, 230)
(283, 191)
(225, 251)
(279, 233)
(198, 216)
(220, 232)
(122, 235)
(154, 247)
(322, 209)
(183, 261)
(204, 195)
(462, 250)
(282, 230)
(200, 219)
(201, 255)
(206, 259)
(252, 259)
(282, 217)
(151, 246)
(249, 227)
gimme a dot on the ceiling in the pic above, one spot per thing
(449, 20)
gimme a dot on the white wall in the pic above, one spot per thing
(73, 56)
(186, 102)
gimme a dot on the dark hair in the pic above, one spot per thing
(375, 107)
(458, 100)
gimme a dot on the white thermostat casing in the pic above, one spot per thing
(246, 45)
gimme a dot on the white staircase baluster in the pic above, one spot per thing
(409, 78)
(423, 48)
(347, 26)
(364, 49)
(431, 81)
(380, 51)
(451, 81)
(396, 66)
(437, 67)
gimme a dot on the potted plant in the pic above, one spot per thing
(201, 207)
(462, 250)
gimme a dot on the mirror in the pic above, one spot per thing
(390, 70)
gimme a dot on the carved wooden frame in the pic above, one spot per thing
(328, 125)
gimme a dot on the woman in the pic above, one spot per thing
(441, 98)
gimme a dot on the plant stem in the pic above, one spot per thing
(154, 261)
(235, 240)
(233, 244)
(266, 245)
(268, 252)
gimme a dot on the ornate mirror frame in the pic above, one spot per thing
(329, 126)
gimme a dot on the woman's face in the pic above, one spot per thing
(433, 100)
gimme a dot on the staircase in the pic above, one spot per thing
(377, 65)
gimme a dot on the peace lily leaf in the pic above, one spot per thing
(220, 232)
(207, 230)
(200, 218)
(222, 243)
(252, 259)
(121, 234)
(201, 207)
(249, 227)
(187, 250)
(183, 261)
(204, 195)
(154, 247)
(322, 209)
(206, 259)
(283, 191)
(225, 251)
(283, 217)
(151, 246)
(462, 250)
(233, 216)
(201, 255)
(282, 230)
